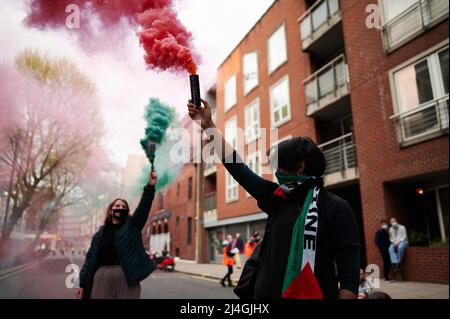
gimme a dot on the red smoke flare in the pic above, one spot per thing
(166, 41)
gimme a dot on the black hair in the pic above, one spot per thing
(291, 152)
(378, 295)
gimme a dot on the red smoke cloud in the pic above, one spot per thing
(166, 41)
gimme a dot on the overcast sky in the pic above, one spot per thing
(123, 82)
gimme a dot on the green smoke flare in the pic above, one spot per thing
(159, 116)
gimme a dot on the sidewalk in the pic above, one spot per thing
(212, 271)
(396, 289)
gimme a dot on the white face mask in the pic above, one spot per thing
(394, 224)
(384, 226)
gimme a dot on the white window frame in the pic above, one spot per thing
(230, 183)
(231, 83)
(248, 88)
(251, 160)
(436, 78)
(272, 117)
(250, 123)
(273, 68)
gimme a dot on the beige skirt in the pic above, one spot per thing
(110, 283)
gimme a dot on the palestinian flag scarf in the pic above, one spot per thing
(299, 280)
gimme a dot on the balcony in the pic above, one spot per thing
(422, 123)
(415, 20)
(321, 22)
(340, 156)
(209, 168)
(327, 87)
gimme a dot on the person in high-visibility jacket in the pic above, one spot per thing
(251, 244)
(228, 260)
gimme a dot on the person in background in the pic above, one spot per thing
(399, 243)
(382, 241)
(228, 260)
(365, 287)
(239, 244)
(251, 244)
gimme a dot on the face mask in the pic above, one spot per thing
(394, 225)
(284, 178)
(384, 226)
(120, 214)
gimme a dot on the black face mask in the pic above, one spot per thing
(120, 214)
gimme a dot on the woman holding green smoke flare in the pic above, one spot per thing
(310, 248)
(117, 261)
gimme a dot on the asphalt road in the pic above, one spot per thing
(48, 281)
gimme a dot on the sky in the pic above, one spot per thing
(123, 82)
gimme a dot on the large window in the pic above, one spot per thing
(250, 62)
(231, 186)
(280, 103)
(230, 93)
(421, 90)
(277, 49)
(252, 121)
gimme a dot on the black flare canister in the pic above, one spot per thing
(195, 89)
(151, 149)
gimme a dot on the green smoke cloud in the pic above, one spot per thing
(159, 116)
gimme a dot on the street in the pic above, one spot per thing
(48, 281)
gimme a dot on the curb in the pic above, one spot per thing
(18, 269)
(235, 281)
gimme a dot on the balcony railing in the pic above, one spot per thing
(209, 168)
(423, 122)
(209, 202)
(327, 85)
(339, 154)
(412, 22)
(318, 20)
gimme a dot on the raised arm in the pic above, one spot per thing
(255, 185)
(139, 218)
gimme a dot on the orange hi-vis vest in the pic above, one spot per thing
(227, 260)
(249, 248)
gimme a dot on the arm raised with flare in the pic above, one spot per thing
(255, 185)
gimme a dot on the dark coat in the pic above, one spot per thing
(133, 258)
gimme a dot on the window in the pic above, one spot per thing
(189, 230)
(254, 163)
(280, 103)
(160, 201)
(178, 189)
(230, 93)
(190, 188)
(231, 186)
(177, 221)
(421, 90)
(252, 121)
(277, 49)
(231, 131)
(422, 81)
(250, 62)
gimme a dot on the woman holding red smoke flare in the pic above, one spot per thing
(117, 262)
(309, 232)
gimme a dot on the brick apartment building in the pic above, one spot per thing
(374, 99)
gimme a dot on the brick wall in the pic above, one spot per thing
(379, 157)
(427, 264)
